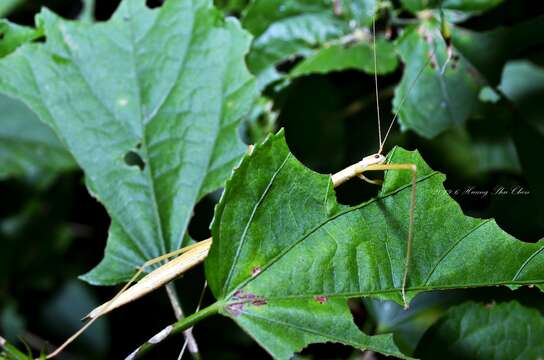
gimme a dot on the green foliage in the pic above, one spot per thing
(342, 57)
(152, 105)
(284, 30)
(501, 44)
(159, 116)
(7, 5)
(27, 146)
(283, 248)
(463, 5)
(13, 35)
(477, 331)
(410, 325)
(446, 92)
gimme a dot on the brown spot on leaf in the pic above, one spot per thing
(320, 299)
(256, 271)
(259, 302)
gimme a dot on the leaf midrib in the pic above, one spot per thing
(148, 171)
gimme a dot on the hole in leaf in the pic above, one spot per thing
(361, 317)
(326, 351)
(132, 158)
(199, 225)
(39, 39)
(153, 3)
(2, 35)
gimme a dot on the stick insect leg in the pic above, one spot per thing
(141, 269)
(370, 181)
(413, 169)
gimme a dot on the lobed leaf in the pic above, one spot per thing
(149, 104)
(286, 255)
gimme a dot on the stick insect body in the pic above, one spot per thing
(190, 256)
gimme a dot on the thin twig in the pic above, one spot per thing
(178, 311)
(191, 328)
(178, 327)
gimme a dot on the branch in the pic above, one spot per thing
(192, 345)
(175, 328)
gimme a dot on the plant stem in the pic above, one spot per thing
(179, 326)
(12, 350)
(192, 345)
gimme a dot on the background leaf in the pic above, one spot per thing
(284, 30)
(409, 325)
(462, 5)
(151, 139)
(478, 331)
(445, 93)
(501, 44)
(28, 147)
(357, 57)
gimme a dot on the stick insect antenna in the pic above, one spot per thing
(403, 99)
(447, 38)
(376, 73)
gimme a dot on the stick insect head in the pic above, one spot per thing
(374, 159)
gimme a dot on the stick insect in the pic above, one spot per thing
(190, 256)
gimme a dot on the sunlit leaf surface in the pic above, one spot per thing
(149, 105)
(286, 255)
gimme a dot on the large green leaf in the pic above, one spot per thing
(286, 29)
(285, 255)
(476, 331)
(445, 93)
(342, 57)
(27, 146)
(149, 104)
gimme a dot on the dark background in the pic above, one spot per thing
(58, 232)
